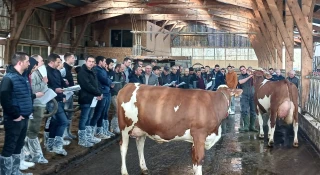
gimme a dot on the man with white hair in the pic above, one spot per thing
(293, 79)
(277, 76)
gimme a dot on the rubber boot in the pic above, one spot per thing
(83, 139)
(6, 165)
(99, 134)
(90, 137)
(16, 161)
(58, 146)
(252, 124)
(105, 124)
(36, 151)
(245, 127)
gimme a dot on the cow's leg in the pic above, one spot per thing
(198, 153)
(260, 119)
(272, 127)
(295, 129)
(140, 146)
(123, 149)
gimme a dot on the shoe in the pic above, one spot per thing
(58, 146)
(6, 165)
(36, 154)
(16, 162)
(89, 135)
(252, 124)
(49, 145)
(115, 125)
(99, 134)
(66, 142)
(83, 139)
(105, 125)
(245, 127)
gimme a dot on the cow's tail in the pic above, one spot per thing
(290, 89)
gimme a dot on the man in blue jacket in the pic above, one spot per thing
(218, 78)
(104, 85)
(16, 101)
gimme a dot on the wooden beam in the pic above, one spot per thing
(177, 32)
(302, 24)
(269, 26)
(175, 17)
(31, 4)
(240, 3)
(265, 32)
(95, 17)
(53, 28)
(56, 40)
(310, 15)
(65, 4)
(163, 25)
(289, 27)
(83, 29)
(46, 34)
(174, 25)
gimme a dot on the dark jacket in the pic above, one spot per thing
(294, 80)
(88, 82)
(219, 79)
(16, 95)
(200, 83)
(68, 76)
(247, 87)
(277, 78)
(103, 79)
(175, 77)
(135, 79)
(55, 80)
(118, 77)
(187, 80)
(164, 79)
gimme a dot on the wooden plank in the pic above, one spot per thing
(95, 17)
(46, 34)
(56, 40)
(53, 27)
(31, 4)
(289, 27)
(83, 29)
(163, 25)
(174, 25)
(265, 32)
(240, 3)
(306, 34)
(177, 32)
(302, 24)
(270, 29)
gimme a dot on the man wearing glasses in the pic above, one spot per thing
(246, 101)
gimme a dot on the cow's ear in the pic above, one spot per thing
(237, 92)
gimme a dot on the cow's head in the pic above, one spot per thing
(231, 92)
(259, 76)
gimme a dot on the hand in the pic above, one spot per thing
(19, 119)
(250, 76)
(67, 82)
(59, 90)
(112, 85)
(64, 100)
(45, 79)
(99, 98)
(39, 94)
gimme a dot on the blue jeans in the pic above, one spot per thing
(69, 105)
(85, 114)
(105, 110)
(59, 121)
(98, 111)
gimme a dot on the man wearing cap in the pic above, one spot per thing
(165, 76)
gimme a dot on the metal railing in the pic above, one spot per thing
(313, 104)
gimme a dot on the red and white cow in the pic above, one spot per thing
(280, 98)
(165, 114)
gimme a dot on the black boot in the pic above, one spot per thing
(245, 127)
(252, 124)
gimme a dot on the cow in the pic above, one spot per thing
(166, 114)
(280, 99)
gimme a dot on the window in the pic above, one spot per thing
(121, 38)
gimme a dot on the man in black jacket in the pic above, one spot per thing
(187, 79)
(59, 120)
(218, 78)
(88, 82)
(16, 101)
(136, 76)
(68, 65)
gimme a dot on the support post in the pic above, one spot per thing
(289, 26)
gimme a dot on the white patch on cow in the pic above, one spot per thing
(140, 146)
(223, 86)
(271, 139)
(131, 112)
(265, 102)
(289, 118)
(260, 119)
(295, 129)
(264, 82)
(176, 108)
(185, 137)
(213, 139)
(197, 169)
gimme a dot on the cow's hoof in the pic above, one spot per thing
(296, 145)
(261, 136)
(270, 144)
(144, 172)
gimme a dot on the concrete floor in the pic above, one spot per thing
(235, 153)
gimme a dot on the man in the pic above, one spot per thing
(38, 84)
(165, 76)
(104, 84)
(271, 71)
(59, 120)
(88, 82)
(232, 82)
(187, 79)
(68, 65)
(16, 101)
(277, 76)
(246, 101)
(200, 80)
(218, 78)
(149, 78)
(174, 75)
(293, 79)
(119, 77)
(127, 71)
(153, 63)
(136, 77)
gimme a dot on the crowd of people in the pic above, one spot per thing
(100, 80)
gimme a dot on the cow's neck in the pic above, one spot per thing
(227, 97)
(258, 82)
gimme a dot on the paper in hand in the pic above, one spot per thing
(94, 102)
(68, 94)
(49, 94)
(43, 70)
(73, 88)
(209, 85)
(182, 83)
